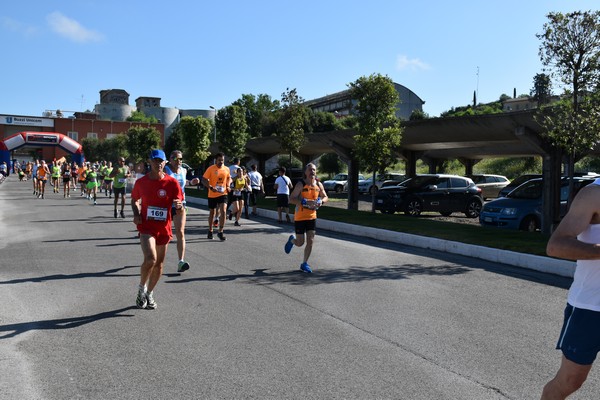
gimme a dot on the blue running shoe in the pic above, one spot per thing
(304, 267)
(288, 246)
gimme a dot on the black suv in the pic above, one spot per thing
(295, 175)
(442, 193)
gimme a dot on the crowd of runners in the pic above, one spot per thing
(90, 179)
(158, 204)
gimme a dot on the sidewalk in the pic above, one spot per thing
(538, 263)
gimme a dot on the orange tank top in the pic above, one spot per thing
(310, 193)
(41, 172)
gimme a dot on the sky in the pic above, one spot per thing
(195, 54)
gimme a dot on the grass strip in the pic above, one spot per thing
(505, 239)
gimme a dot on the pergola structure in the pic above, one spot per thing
(468, 139)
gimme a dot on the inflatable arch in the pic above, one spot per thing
(40, 139)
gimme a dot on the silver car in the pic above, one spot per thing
(339, 183)
(490, 185)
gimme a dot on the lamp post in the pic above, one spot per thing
(215, 122)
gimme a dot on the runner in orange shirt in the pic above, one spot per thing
(308, 195)
(217, 180)
(42, 177)
(81, 172)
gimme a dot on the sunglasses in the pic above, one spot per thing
(176, 158)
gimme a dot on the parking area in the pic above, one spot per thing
(340, 200)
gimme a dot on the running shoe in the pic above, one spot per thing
(115, 213)
(216, 222)
(182, 266)
(236, 223)
(122, 214)
(229, 215)
(289, 244)
(141, 301)
(150, 303)
(304, 267)
(95, 202)
(210, 235)
(221, 236)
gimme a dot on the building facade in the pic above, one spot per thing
(341, 103)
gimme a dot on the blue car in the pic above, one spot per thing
(522, 208)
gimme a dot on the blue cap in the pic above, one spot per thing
(157, 153)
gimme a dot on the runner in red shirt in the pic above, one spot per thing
(152, 198)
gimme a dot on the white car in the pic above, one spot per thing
(367, 186)
(339, 183)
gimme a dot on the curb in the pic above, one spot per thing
(547, 265)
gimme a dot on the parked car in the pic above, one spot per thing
(339, 183)
(490, 184)
(295, 174)
(522, 207)
(367, 186)
(392, 182)
(434, 192)
(517, 182)
(190, 172)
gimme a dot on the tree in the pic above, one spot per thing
(232, 130)
(138, 116)
(320, 121)
(91, 149)
(570, 47)
(330, 164)
(114, 148)
(379, 130)
(576, 131)
(140, 140)
(257, 108)
(175, 142)
(417, 115)
(487, 108)
(542, 89)
(195, 133)
(291, 121)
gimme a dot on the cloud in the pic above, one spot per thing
(71, 29)
(403, 62)
(18, 27)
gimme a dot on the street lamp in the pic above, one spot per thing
(215, 122)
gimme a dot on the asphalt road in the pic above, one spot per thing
(374, 321)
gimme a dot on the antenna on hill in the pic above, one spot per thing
(477, 88)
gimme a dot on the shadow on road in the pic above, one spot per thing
(62, 323)
(350, 274)
(110, 273)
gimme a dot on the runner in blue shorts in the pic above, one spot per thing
(577, 238)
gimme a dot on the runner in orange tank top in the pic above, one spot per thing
(42, 176)
(308, 195)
